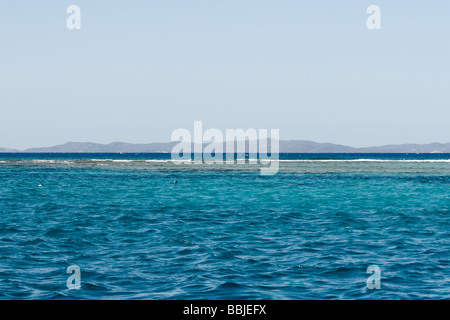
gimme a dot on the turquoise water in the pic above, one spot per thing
(224, 231)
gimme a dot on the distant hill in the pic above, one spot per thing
(115, 147)
(286, 146)
(8, 150)
(301, 146)
(409, 148)
(304, 146)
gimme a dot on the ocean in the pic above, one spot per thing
(311, 231)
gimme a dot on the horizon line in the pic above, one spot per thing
(16, 150)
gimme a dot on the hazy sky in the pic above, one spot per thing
(137, 70)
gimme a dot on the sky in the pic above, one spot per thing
(138, 70)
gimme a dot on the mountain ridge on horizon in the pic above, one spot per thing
(285, 146)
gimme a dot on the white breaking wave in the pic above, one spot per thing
(130, 160)
(106, 161)
(164, 161)
(367, 160)
(50, 161)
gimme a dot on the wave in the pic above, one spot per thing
(134, 160)
(90, 161)
(364, 160)
(143, 161)
(48, 161)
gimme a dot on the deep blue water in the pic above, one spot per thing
(224, 231)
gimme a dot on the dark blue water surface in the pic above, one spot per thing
(224, 231)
